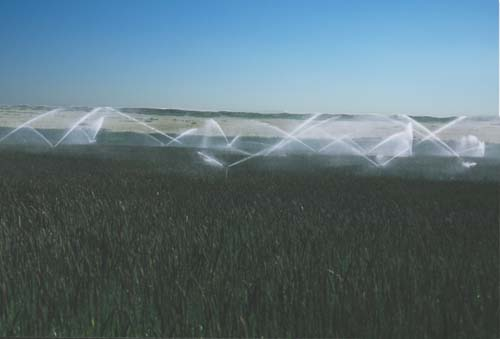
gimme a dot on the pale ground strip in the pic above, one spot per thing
(487, 130)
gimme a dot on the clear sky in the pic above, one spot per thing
(437, 57)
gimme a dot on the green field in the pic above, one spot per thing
(97, 245)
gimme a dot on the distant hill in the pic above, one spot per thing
(213, 114)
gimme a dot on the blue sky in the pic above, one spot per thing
(437, 57)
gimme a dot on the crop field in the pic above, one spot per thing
(96, 245)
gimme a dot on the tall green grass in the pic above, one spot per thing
(94, 247)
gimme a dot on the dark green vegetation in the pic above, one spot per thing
(93, 245)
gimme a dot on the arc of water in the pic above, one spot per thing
(230, 146)
(394, 136)
(432, 136)
(291, 135)
(348, 142)
(210, 160)
(86, 134)
(76, 124)
(351, 144)
(281, 143)
(242, 160)
(232, 141)
(264, 151)
(261, 152)
(91, 137)
(393, 157)
(216, 124)
(385, 163)
(409, 128)
(155, 139)
(176, 139)
(310, 127)
(442, 128)
(268, 150)
(237, 150)
(27, 123)
(333, 142)
(317, 125)
(40, 135)
(305, 123)
(359, 150)
(99, 124)
(435, 132)
(114, 111)
(145, 125)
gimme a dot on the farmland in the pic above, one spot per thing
(138, 245)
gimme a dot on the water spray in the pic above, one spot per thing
(385, 150)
